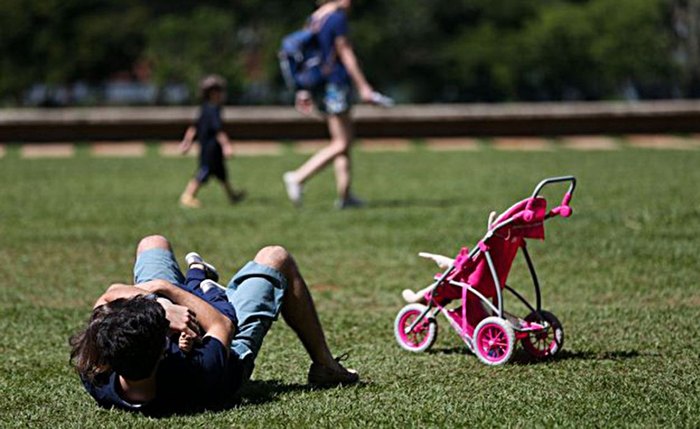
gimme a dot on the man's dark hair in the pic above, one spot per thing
(126, 335)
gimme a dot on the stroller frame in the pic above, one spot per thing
(501, 328)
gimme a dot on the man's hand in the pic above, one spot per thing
(181, 318)
(213, 323)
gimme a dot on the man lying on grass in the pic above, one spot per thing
(125, 356)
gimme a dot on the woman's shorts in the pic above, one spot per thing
(333, 98)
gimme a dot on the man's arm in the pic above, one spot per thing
(181, 318)
(210, 319)
(347, 56)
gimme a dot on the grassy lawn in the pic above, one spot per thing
(621, 275)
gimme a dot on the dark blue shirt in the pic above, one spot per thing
(208, 126)
(215, 296)
(200, 379)
(335, 25)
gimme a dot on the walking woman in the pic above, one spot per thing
(333, 100)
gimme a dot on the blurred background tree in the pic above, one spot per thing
(430, 51)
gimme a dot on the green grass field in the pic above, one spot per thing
(621, 274)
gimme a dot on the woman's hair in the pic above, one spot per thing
(126, 336)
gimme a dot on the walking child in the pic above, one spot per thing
(214, 144)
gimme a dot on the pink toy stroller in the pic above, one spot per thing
(478, 278)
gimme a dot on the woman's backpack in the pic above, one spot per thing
(301, 58)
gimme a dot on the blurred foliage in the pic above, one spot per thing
(179, 51)
(441, 50)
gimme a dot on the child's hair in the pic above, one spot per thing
(126, 335)
(211, 83)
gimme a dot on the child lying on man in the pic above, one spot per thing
(201, 280)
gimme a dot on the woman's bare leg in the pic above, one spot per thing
(340, 129)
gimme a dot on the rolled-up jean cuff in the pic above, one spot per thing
(159, 264)
(256, 292)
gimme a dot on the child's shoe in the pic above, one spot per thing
(190, 202)
(209, 269)
(237, 196)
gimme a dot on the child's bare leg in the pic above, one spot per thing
(189, 196)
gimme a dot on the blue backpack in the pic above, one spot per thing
(301, 59)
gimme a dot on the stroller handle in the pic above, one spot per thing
(563, 209)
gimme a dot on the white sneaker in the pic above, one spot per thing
(194, 258)
(351, 202)
(294, 188)
(207, 284)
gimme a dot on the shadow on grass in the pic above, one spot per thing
(413, 202)
(254, 392)
(520, 357)
(523, 358)
(257, 392)
(458, 350)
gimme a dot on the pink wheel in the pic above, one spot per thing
(547, 342)
(423, 334)
(494, 341)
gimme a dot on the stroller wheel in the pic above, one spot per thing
(494, 341)
(423, 334)
(546, 343)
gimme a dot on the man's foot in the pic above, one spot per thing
(350, 202)
(190, 202)
(323, 376)
(193, 258)
(237, 196)
(294, 188)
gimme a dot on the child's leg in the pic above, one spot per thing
(189, 196)
(233, 195)
(218, 170)
(194, 277)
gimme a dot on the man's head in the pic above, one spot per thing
(212, 88)
(125, 335)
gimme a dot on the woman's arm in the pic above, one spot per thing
(346, 54)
